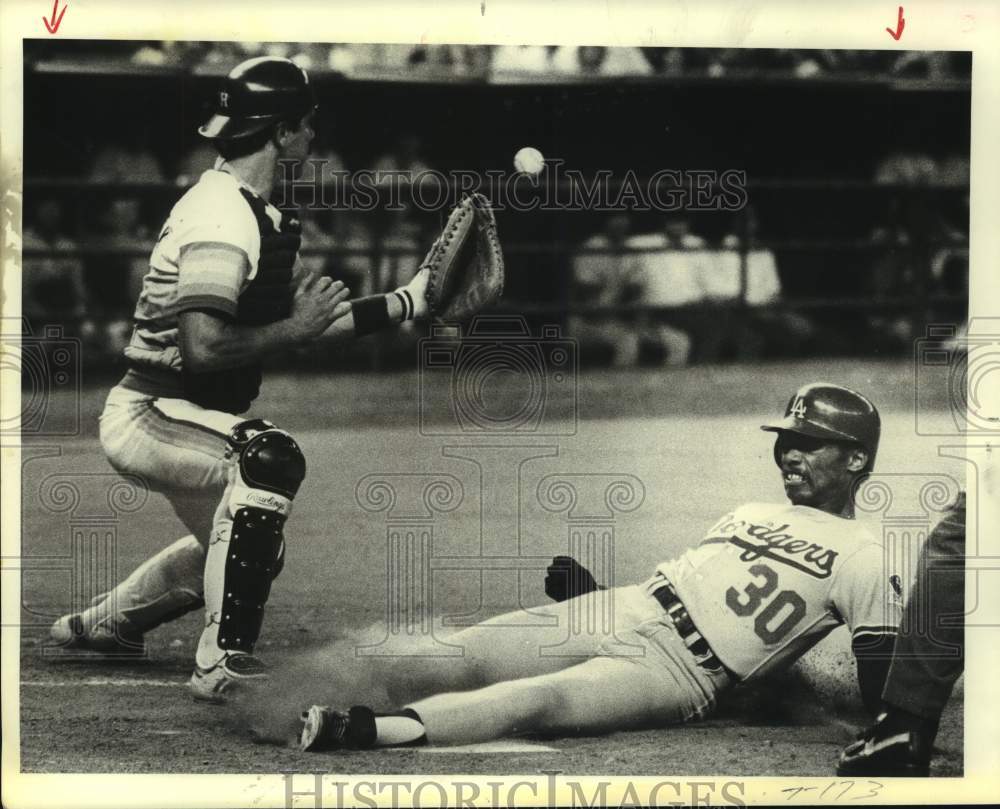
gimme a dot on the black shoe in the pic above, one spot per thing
(888, 751)
(328, 729)
(323, 728)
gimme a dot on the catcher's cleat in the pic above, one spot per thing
(111, 639)
(327, 729)
(887, 752)
(234, 671)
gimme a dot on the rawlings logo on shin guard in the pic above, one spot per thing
(245, 496)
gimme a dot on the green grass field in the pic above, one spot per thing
(690, 437)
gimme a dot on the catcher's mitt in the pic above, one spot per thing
(466, 263)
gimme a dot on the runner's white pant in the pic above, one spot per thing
(608, 660)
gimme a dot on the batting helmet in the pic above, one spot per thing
(832, 412)
(257, 93)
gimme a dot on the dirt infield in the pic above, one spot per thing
(95, 716)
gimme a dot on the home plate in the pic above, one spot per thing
(492, 747)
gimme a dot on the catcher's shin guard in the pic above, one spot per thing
(269, 470)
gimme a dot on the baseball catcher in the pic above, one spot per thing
(225, 287)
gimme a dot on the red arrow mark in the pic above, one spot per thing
(56, 17)
(900, 24)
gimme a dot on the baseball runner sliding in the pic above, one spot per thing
(767, 582)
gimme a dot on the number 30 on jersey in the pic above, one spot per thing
(779, 615)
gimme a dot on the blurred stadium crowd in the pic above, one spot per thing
(632, 287)
(485, 61)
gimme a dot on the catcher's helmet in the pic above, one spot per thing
(832, 412)
(256, 93)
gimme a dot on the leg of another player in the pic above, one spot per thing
(929, 653)
(928, 659)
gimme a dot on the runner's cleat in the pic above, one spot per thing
(323, 729)
(328, 729)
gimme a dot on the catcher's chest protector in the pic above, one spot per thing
(266, 299)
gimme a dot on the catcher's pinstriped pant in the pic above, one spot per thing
(178, 449)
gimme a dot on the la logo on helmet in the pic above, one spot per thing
(798, 408)
(224, 99)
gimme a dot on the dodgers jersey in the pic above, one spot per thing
(769, 581)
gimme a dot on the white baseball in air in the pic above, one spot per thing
(529, 160)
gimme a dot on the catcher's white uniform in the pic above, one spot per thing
(206, 257)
